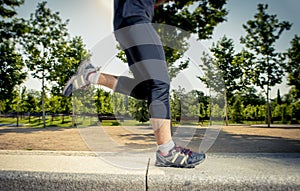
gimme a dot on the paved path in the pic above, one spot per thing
(48, 170)
(236, 161)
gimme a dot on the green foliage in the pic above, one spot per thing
(54, 57)
(293, 65)
(47, 31)
(176, 98)
(195, 16)
(68, 55)
(237, 109)
(192, 17)
(194, 104)
(191, 105)
(50, 55)
(212, 74)
(7, 9)
(103, 102)
(217, 112)
(139, 110)
(10, 26)
(11, 64)
(243, 60)
(120, 104)
(11, 69)
(254, 112)
(250, 96)
(222, 72)
(31, 102)
(262, 34)
(223, 55)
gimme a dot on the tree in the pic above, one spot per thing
(198, 17)
(224, 54)
(175, 105)
(46, 32)
(222, 70)
(53, 106)
(195, 16)
(68, 55)
(184, 18)
(11, 27)
(237, 109)
(12, 66)
(212, 79)
(200, 104)
(138, 109)
(31, 102)
(278, 99)
(120, 104)
(249, 96)
(11, 69)
(293, 65)
(103, 102)
(262, 34)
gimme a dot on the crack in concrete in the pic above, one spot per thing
(146, 176)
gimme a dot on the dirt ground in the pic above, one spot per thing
(245, 139)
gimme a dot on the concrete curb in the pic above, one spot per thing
(19, 180)
(49, 170)
(234, 172)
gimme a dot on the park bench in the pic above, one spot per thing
(102, 118)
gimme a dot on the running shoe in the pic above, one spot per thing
(179, 157)
(80, 79)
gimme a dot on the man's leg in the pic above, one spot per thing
(107, 80)
(150, 82)
(162, 130)
(145, 56)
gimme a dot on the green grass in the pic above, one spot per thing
(57, 122)
(87, 121)
(38, 122)
(65, 122)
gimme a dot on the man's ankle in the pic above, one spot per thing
(166, 147)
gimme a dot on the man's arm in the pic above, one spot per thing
(160, 2)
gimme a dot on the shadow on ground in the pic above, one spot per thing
(226, 142)
(240, 141)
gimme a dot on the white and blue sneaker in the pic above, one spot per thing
(179, 157)
(80, 79)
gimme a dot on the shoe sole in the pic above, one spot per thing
(66, 91)
(180, 166)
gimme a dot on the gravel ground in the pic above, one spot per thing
(232, 139)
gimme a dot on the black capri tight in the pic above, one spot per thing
(146, 60)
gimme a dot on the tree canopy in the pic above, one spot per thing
(12, 67)
(261, 35)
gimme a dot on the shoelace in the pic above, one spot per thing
(184, 151)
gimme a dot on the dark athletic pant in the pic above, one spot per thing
(146, 60)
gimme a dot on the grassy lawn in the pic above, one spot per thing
(38, 122)
(66, 121)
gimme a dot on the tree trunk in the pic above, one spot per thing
(268, 108)
(226, 108)
(73, 113)
(210, 108)
(43, 101)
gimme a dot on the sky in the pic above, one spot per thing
(92, 20)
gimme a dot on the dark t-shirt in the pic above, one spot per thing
(129, 8)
